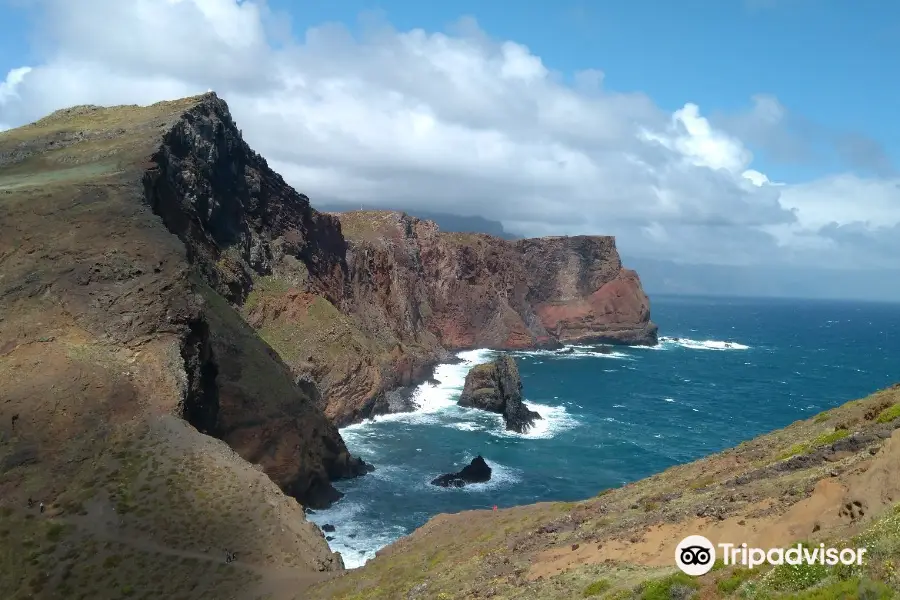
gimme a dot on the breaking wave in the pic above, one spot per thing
(700, 344)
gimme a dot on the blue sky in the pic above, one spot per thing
(831, 61)
(725, 131)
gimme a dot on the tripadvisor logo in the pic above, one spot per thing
(696, 555)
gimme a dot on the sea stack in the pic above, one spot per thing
(476, 471)
(496, 386)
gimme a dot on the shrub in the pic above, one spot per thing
(596, 588)
(822, 440)
(793, 578)
(676, 586)
(889, 414)
(852, 589)
(732, 583)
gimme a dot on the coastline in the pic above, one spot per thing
(433, 405)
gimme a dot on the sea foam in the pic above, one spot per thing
(691, 344)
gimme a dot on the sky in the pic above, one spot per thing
(734, 132)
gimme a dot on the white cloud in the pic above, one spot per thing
(455, 123)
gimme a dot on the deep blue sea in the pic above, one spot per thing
(726, 370)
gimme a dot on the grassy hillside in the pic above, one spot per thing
(109, 344)
(834, 478)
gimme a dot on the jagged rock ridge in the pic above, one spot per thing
(182, 167)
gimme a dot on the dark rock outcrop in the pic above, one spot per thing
(477, 471)
(497, 387)
(112, 263)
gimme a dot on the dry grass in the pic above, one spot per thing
(138, 503)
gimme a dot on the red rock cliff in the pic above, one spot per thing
(476, 290)
(413, 293)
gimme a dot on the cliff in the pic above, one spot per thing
(833, 479)
(413, 293)
(124, 234)
(476, 290)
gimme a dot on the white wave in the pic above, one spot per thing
(465, 426)
(701, 344)
(576, 351)
(501, 475)
(430, 398)
(554, 420)
(367, 538)
(436, 404)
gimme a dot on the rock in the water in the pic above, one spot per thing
(328, 527)
(497, 387)
(476, 471)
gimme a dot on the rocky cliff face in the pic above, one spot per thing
(238, 221)
(413, 292)
(476, 290)
(129, 178)
(237, 218)
(581, 292)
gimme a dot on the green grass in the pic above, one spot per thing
(822, 417)
(889, 414)
(822, 440)
(55, 531)
(793, 578)
(322, 332)
(263, 286)
(851, 589)
(677, 585)
(702, 482)
(596, 588)
(730, 584)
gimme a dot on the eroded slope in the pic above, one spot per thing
(113, 337)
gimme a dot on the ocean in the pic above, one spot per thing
(726, 370)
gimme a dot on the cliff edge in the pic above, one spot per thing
(126, 236)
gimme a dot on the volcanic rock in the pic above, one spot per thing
(476, 471)
(497, 387)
